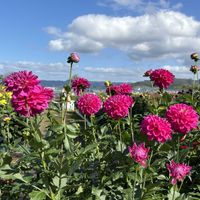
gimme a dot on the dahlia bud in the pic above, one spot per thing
(194, 57)
(73, 58)
(107, 83)
(194, 69)
(148, 73)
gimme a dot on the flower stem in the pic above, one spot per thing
(178, 150)
(120, 135)
(70, 74)
(135, 180)
(131, 124)
(174, 190)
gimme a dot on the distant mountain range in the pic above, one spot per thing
(99, 85)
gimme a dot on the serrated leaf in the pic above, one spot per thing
(37, 195)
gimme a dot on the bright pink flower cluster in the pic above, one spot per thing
(183, 118)
(28, 98)
(73, 58)
(139, 153)
(162, 78)
(178, 171)
(79, 85)
(123, 88)
(21, 82)
(156, 128)
(34, 102)
(117, 106)
(89, 104)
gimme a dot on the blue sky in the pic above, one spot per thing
(117, 40)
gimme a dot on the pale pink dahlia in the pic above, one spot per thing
(89, 104)
(35, 102)
(73, 58)
(156, 128)
(79, 85)
(21, 82)
(178, 171)
(183, 118)
(162, 78)
(139, 153)
(117, 106)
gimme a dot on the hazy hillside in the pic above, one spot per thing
(178, 84)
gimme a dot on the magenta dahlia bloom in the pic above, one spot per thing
(21, 82)
(35, 102)
(117, 106)
(183, 118)
(89, 104)
(79, 85)
(123, 88)
(139, 153)
(156, 128)
(178, 171)
(113, 89)
(73, 58)
(162, 78)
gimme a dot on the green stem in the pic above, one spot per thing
(70, 74)
(131, 124)
(85, 123)
(94, 135)
(135, 180)
(178, 150)
(174, 190)
(120, 136)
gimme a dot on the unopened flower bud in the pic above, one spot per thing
(73, 58)
(194, 57)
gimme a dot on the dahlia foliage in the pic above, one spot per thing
(116, 144)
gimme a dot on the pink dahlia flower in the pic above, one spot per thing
(148, 73)
(156, 128)
(123, 88)
(117, 106)
(113, 89)
(178, 171)
(183, 118)
(89, 104)
(139, 153)
(162, 78)
(73, 58)
(35, 102)
(80, 84)
(21, 82)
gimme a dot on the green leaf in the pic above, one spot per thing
(37, 195)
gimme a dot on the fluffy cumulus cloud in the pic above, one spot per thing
(164, 34)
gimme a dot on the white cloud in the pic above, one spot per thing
(144, 6)
(166, 34)
(45, 71)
